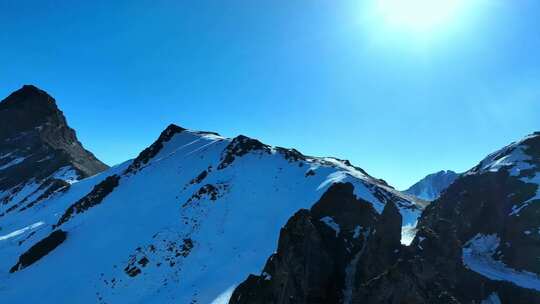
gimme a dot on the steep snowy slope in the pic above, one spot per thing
(39, 152)
(184, 222)
(431, 186)
(478, 243)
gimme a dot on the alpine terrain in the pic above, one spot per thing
(478, 243)
(200, 218)
(187, 221)
(39, 152)
(431, 186)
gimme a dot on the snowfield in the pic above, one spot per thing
(478, 256)
(188, 220)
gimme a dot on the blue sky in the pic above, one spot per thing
(325, 77)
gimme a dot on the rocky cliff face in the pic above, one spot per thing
(324, 253)
(478, 243)
(316, 250)
(39, 152)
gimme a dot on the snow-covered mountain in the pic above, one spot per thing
(431, 186)
(200, 218)
(479, 243)
(39, 152)
(185, 222)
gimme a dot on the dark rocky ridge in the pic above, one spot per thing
(92, 199)
(147, 154)
(319, 248)
(39, 250)
(35, 140)
(238, 147)
(432, 269)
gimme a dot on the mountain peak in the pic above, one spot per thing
(36, 140)
(26, 109)
(31, 88)
(444, 172)
(517, 158)
(431, 186)
(29, 97)
(171, 129)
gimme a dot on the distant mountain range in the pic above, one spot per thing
(431, 186)
(200, 218)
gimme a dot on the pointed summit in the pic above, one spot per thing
(36, 141)
(431, 186)
(27, 108)
(29, 97)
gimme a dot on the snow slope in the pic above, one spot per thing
(519, 160)
(431, 186)
(184, 222)
(478, 255)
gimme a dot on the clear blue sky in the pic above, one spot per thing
(316, 75)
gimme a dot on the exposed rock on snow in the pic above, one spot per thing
(39, 250)
(471, 246)
(478, 255)
(179, 230)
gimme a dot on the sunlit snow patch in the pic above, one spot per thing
(21, 231)
(332, 224)
(67, 174)
(408, 232)
(478, 254)
(516, 209)
(515, 159)
(225, 296)
(408, 224)
(492, 299)
(12, 163)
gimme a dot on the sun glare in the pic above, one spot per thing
(419, 16)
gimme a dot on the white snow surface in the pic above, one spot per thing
(26, 193)
(478, 254)
(357, 232)
(150, 212)
(408, 232)
(516, 209)
(329, 221)
(20, 231)
(492, 299)
(513, 159)
(67, 174)
(431, 187)
(12, 163)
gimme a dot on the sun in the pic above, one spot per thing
(419, 16)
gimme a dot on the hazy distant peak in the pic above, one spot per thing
(431, 186)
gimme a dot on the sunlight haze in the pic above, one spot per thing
(400, 88)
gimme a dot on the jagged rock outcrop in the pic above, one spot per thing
(302, 253)
(322, 252)
(34, 132)
(39, 250)
(478, 243)
(144, 157)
